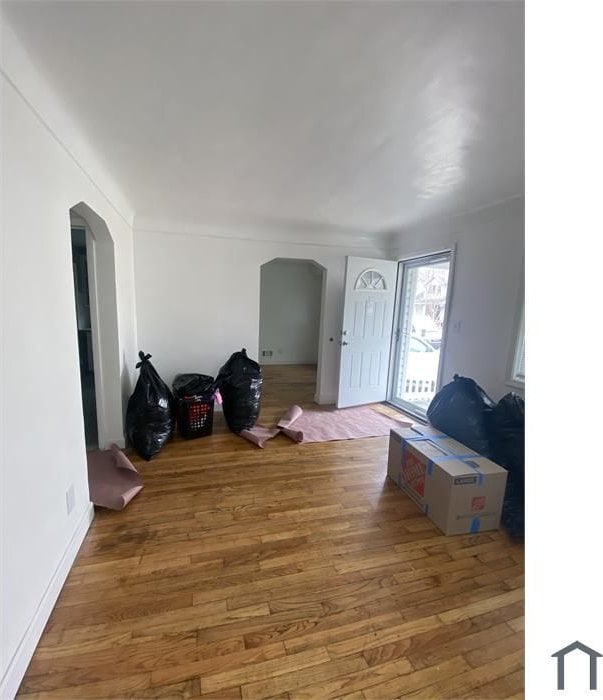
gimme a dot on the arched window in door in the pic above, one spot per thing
(370, 280)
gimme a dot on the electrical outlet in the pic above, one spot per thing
(266, 353)
(70, 498)
(456, 327)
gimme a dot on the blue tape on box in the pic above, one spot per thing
(447, 458)
(432, 438)
(465, 458)
(480, 477)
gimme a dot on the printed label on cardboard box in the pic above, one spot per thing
(462, 480)
(413, 473)
(478, 503)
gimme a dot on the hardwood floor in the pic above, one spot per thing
(296, 571)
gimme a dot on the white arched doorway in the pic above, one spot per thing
(291, 306)
(99, 353)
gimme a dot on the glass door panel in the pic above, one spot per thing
(419, 331)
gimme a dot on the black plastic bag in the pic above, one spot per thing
(507, 437)
(193, 385)
(240, 383)
(513, 510)
(150, 416)
(462, 410)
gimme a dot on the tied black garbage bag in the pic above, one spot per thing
(150, 416)
(507, 437)
(240, 383)
(193, 385)
(462, 410)
(513, 510)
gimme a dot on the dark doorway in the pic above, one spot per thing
(79, 254)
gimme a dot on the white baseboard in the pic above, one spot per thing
(20, 661)
(325, 399)
(270, 361)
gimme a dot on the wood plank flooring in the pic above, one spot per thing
(297, 571)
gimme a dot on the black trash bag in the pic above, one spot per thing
(240, 383)
(151, 415)
(507, 437)
(507, 434)
(513, 510)
(461, 409)
(193, 385)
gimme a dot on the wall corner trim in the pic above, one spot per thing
(9, 685)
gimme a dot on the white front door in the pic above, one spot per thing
(370, 291)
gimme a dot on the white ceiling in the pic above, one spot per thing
(362, 115)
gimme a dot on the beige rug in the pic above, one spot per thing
(324, 425)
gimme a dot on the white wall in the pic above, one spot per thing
(290, 296)
(487, 288)
(42, 432)
(198, 296)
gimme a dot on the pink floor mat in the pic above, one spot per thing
(323, 425)
(112, 479)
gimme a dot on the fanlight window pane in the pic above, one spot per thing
(370, 280)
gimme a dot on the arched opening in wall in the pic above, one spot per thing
(95, 292)
(291, 306)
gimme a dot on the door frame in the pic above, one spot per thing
(322, 333)
(102, 286)
(447, 250)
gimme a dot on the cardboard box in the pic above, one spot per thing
(454, 486)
